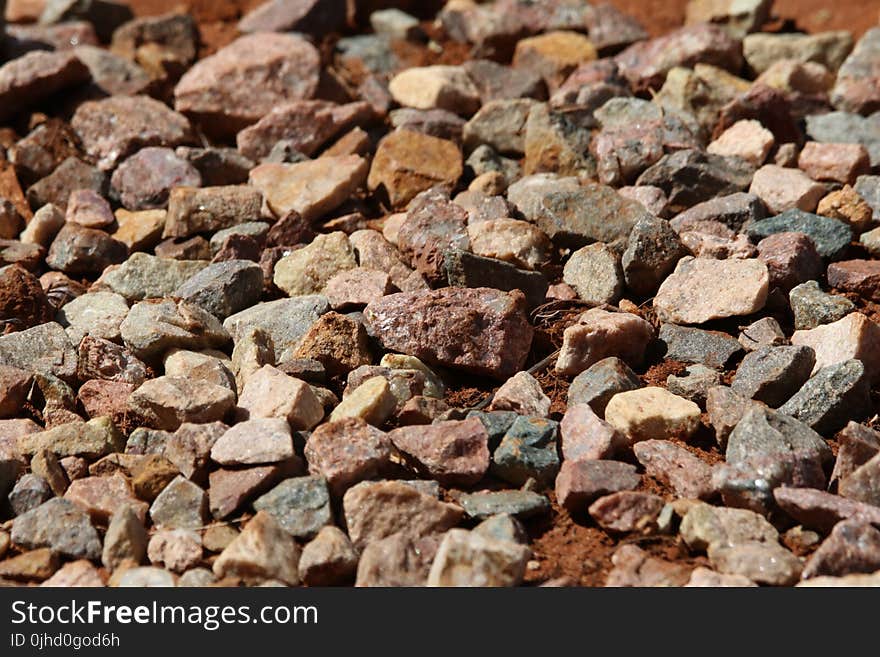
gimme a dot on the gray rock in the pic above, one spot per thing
(464, 269)
(256, 229)
(501, 124)
(600, 382)
(521, 504)
(126, 538)
(224, 288)
(595, 274)
(285, 321)
(44, 349)
(773, 374)
(690, 176)
(868, 187)
(652, 251)
(61, 525)
(152, 327)
(831, 236)
(733, 211)
(28, 493)
(180, 505)
(496, 423)
(695, 384)
(300, 505)
(144, 276)
(812, 307)
(693, 345)
(833, 396)
(503, 527)
(527, 451)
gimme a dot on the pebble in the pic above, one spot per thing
(468, 559)
(498, 350)
(223, 288)
(520, 504)
(627, 511)
(861, 483)
(652, 251)
(87, 208)
(254, 442)
(791, 259)
(181, 505)
(90, 440)
(812, 307)
(269, 393)
(773, 374)
(857, 444)
(300, 505)
(346, 452)
(143, 276)
(522, 394)
(376, 510)
(687, 474)
(597, 384)
(196, 210)
(852, 547)
(594, 272)
(786, 189)
(705, 527)
(152, 327)
(139, 230)
(262, 551)
(762, 563)
(511, 240)
(430, 87)
(599, 334)
(579, 483)
(831, 397)
(407, 163)
(35, 77)
(144, 180)
(527, 451)
(846, 205)
(329, 559)
(373, 401)
(284, 321)
(312, 188)
(650, 412)
(852, 337)
(840, 163)
(61, 525)
(78, 250)
(632, 566)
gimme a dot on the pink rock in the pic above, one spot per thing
(599, 334)
(455, 453)
(688, 475)
(357, 287)
(580, 482)
(841, 163)
(347, 452)
(791, 259)
(75, 574)
(101, 496)
(229, 489)
(585, 436)
(108, 398)
(89, 209)
(479, 330)
(635, 567)
(747, 139)
(627, 511)
(783, 189)
(820, 510)
(247, 79)
(317, 17)
(433, 225)
(859, 276)
(269, 392)
(15, 385)
(36, 76)
(854, 336)
(177, 549)
(522, 394)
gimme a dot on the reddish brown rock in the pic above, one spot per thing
(819, 510)
(347, 452)
(144, 180)
(78, 250)
(859, 276)
(35, 77)
(455, 453)
(689, 476)
(102, 359)
(356, 288)
(23, 304)
(433, 225)
(101, 496)
(580, 482)
(480, 330)
(108, 398)
(791, 259)
(852, 547)
(336, 341)
(247, 79)
(229, 489)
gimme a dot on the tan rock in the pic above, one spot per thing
(747, 139)
(372, 401)
(309, 269)
(599, 334)
(271, 393)
(854, 336)
(649, 413)
(441, 87)
(518, 242)
(782, 189)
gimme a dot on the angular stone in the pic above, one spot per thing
(439, 123)
(229, 489)
(857, 445)
(739, 287)
(846, 205)
(827, 48)
(594, 272)
(746, 139)
(499, 349)
(143, 276)
(627, 511)
(126, 539)
(786, 189)
(500, 124)
(652, 251)
(78, 250)
(101, 496)
(599, 334)
(252, 442)
(579, 483)
(104, 360)
(527, 451)
(407, 163)
(433, 226)
(635, 567)
(176, 549)
(96, 314)
(269, 393)
(842, 127)
(29, 492)
(224, 288)
(139, 230)
(300, 505)
(328, 559)
(397, 560)
(517, 503)
(522, 394)
(763, 563)
(791, 259)
(374, 511)
(167, 402)
(688, 475)
(463, 269)
(60, 525)
(841, 163)
(429, 87)
(510, 240)
(36, 76)
(852, 547)
(181, 505)
(773, 374)
(600, 382)
(355, 288)
(153, 327)
(262, 551)
(36, 565)
(861, 483)
(284, 321)
(87, 208)
(834, 395)
(455, 453)
(347, 452)
(652, 412)
(144, 180)
(192, 210)
(812, 307)
(584, 436)
(372, 401)
(312, 188)
(91, 440)
(820, 510)
(853, 337)
(469, 559)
